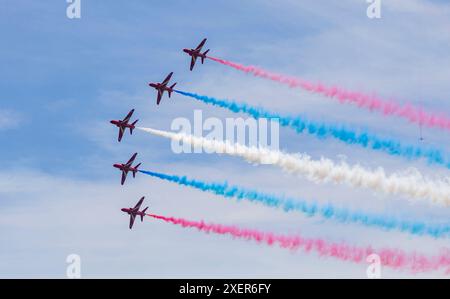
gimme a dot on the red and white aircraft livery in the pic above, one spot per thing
(125, 168)
(195, 53)
(123, 124)
(133, 212)
(162, 87)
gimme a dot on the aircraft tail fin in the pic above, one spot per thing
(204, 55)
(143, 214)
(133, 124)
(136, 167)
(171, 89)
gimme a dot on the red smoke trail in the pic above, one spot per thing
(371, 102)
(394, 258)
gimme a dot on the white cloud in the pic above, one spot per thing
(43, 218)
(10, 119)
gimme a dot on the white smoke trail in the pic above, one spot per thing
(324, 170)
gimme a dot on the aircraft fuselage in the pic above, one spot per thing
(119, 123)
(160, 87)
(123, 167)
(130, 211)
(193, 52)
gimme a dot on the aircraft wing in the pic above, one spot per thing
(127, 118)
(124, 176)
(166, 81)
(132, 218)
(138, 205)
(158, 100)
(131, 160)
(193, 59)
(199, 47)
(121, 131)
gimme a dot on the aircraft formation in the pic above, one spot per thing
(125, 124)
(412, 186)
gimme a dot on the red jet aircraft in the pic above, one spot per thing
(123, 124)
(125, 168)
(133, 212)
(195, 53)
(161, 87)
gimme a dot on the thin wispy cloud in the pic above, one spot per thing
(70, 77)
(10, 119)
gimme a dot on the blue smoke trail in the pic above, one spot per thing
(301, 124)
(310, 209)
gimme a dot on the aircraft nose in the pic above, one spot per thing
(123, 210)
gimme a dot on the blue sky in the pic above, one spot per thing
(62, 80)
